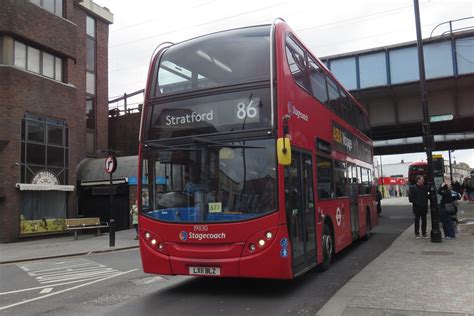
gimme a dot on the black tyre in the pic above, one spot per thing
(327, 247)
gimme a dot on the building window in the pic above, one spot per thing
(90, 85)
(90, 26)
(53, 6)
(90, 113)
(19, 55)
(37, 61)
(44, 147)
(90, 142)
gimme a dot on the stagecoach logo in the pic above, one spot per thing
(338, 216)
(292, 110)
(183, 236)
(200, 236)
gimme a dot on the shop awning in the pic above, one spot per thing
(44, 187)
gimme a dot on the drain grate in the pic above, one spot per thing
(438, 253)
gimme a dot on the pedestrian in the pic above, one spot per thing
(419, 198)
(447, 210)
(457, 187)
(134, 214)
(378, 197)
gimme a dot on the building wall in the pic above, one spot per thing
(23, 91)
(123, 133)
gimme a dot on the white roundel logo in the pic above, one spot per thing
(338, 216)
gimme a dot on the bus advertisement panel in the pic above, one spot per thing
(264, 157)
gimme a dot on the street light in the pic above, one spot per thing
(450, 166)
(427, 136)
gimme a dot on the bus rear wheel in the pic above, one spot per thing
(327, 247)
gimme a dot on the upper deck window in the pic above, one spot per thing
(220, 59)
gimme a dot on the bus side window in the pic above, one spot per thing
(325, 179)
(318, 82)
(296, 59)
(334, 97)
(340, 178)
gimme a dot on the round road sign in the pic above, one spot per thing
(110, 164)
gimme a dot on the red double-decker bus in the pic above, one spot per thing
(254, 160)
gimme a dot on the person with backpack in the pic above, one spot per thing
(447, 210)
(419, 198)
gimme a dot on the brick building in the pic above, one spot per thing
(53, 108)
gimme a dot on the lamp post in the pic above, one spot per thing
(450, 167)
(427, 136)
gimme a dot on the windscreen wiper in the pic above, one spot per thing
(170, 148)
(219, 144)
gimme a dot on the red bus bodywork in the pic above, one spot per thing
(172, 252)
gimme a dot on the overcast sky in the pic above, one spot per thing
(328, 27)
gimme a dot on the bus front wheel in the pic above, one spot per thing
(327, 247)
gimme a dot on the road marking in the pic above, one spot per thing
(46, 290)
(47, 272)
(65, 290)
(46, 286)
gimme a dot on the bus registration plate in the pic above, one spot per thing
(205, 270)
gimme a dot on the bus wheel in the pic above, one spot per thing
(368, 226)
(328, 248)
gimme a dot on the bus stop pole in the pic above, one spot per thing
(427, 137)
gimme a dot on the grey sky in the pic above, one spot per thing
(327, 27)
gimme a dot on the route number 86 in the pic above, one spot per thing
(244, 111)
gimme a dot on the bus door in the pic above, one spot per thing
(353, 180)
(299, 196)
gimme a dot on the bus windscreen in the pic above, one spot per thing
(219, 59)
(210, 181)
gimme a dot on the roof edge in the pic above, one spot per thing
(101, 12)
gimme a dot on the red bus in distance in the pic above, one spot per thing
(254, 160)
(419, 168)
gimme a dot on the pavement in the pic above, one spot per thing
(37, 248)
(414, 276)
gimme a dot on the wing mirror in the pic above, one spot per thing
(284, 145)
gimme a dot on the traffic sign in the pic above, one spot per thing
(441, 118)
(110, 164)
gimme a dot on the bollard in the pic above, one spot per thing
(112, 233)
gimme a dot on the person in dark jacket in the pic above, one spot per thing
(419, 198)
(378, 196)
(447, 208)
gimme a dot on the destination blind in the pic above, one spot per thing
(243, 110)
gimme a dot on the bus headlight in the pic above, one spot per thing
(260, 241)
(155, 242)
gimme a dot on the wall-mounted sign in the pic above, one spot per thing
(45, 177)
